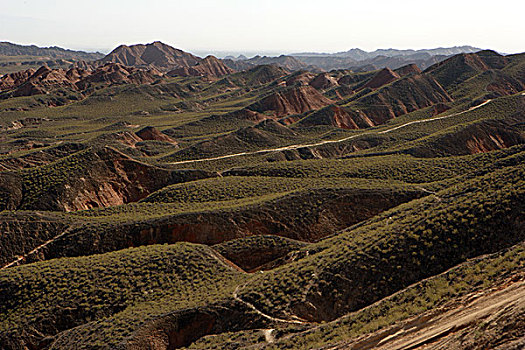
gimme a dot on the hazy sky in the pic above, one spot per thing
(266, 25)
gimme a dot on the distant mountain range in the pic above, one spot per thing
(360, 55)
(172, 61)
(16, 58)
(54, 52)
(354, 59)
(360, 60)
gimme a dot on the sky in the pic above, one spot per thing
(265, 26)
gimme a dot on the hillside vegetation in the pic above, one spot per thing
(153, 199)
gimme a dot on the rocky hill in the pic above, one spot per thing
(167, 59)
(156, 55)
(45, 80)
(289, 101)
(208, 67)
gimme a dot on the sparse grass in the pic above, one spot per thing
(475, 275)
(113, 293)
(398, 167)
(239, 187)
(400, 246)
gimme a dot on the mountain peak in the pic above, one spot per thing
(154, 55)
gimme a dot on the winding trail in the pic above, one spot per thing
(292, 147)
(257, 311)
(230, 265)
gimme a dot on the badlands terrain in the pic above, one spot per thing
(153, 199)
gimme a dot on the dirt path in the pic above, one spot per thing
(260, 313)
(431, 329)
(38, 248)
(292, 147)
(228, 264)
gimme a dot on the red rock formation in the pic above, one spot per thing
(461, 67)
(340, 117)
(480, 137)
(479, 62)
(208, 67)
(12, 80)
(179, 329)
(383, 77)
(403, 96)
(408, 69)
(292, 101)
(151, 133)
(290, 120)
(184, 72)
(31, 82)
(110, 178)
(28, 89)
(247, 114)
(76, 74)
(300, 78)
(349, 79)
(156, 54)
(114, 73)
(252, 253)
(440, 108)
(213, 67)
(85, 65)
(323, 81)
(503, 85)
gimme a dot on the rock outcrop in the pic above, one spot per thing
(408, 69)
(12, 80)
(267, 133)
(209, 67)
(324, 81)
(290, 101)
(45, 80)
(480, 137)
(114, 73)
(300, 78)
(257, 252)
(155, 55)
(152, 134)
(97, 178)
(383, 77)
(461, 67)
(403, 96)
(341, 117)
